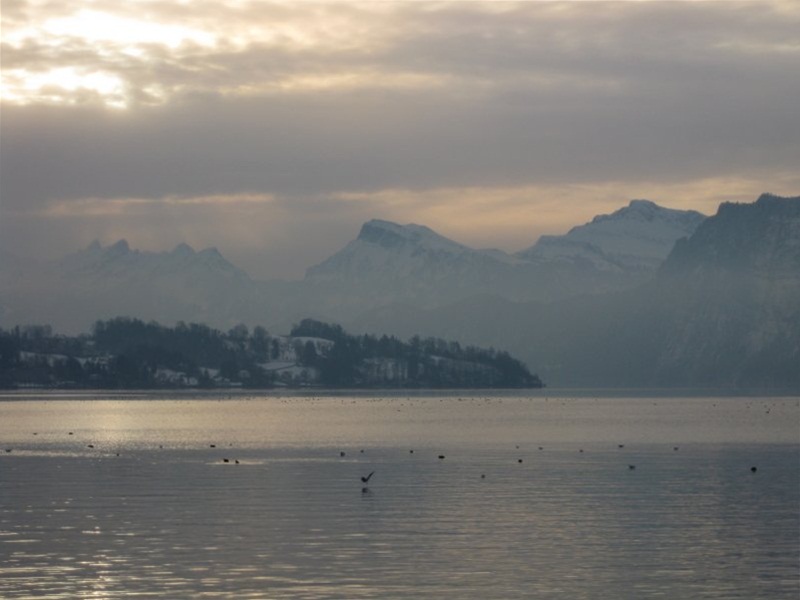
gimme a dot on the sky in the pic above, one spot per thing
(273, 130)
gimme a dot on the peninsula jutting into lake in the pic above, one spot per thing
(128, 353)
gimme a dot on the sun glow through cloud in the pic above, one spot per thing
(491, 121)
(65, 85)
(170, 48)
(95, 27)
(148, 52)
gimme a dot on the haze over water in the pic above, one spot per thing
(168, 518)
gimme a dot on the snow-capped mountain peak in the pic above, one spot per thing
(394, 236)
(389, 258)
(639, 235)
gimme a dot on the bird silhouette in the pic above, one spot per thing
(366, 479)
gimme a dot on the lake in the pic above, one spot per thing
(535, 497)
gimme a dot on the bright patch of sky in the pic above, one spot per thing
(493, 122)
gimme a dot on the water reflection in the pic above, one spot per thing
(290, 521)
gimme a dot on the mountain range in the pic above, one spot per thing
(635, 297)
(723, 310)
(391, 263)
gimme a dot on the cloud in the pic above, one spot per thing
(468, 116)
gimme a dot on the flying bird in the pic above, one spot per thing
(366, 479)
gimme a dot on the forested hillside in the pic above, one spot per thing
(129, 353)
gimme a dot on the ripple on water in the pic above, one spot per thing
(295, 522)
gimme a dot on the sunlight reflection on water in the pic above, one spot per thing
(168, 518)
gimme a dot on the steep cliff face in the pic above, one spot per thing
(732, 291)
(760, 237)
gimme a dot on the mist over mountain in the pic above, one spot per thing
(644, 296)
(722, 311)
(102, 282)
(732, 292)
(386, 264)
(389, 263)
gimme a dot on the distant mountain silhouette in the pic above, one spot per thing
(723, 310)
(597, 306)
(385, 265)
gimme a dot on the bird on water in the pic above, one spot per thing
(364, 480)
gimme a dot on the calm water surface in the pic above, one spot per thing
(153, 511)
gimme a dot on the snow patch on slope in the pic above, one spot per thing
(640, 235)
